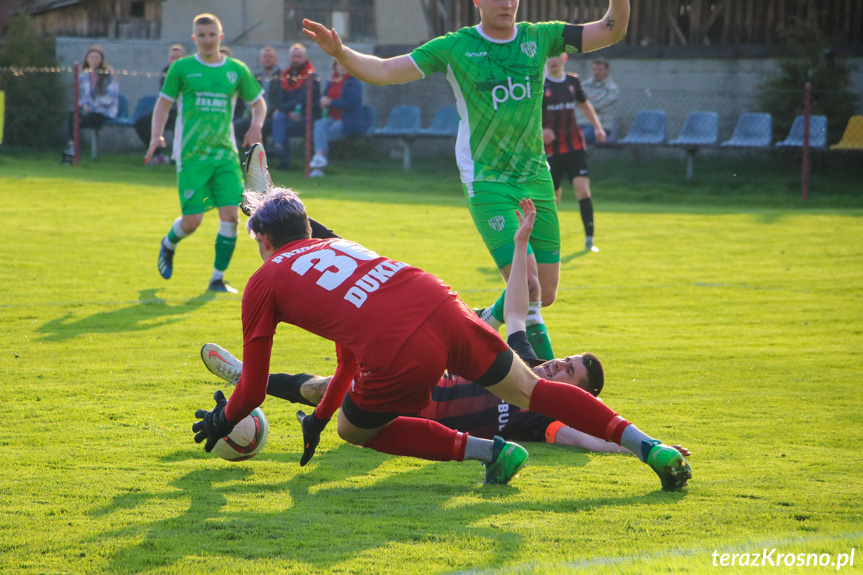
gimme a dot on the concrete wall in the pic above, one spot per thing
(266, 17)
(397, 21)
(400, 22)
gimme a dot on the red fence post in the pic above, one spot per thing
(76, 113)
(309, 120)
(807, 108)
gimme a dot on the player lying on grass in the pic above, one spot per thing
(456, 403)
(341, 291)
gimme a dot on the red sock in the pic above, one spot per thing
(578, 409)
(421, 438)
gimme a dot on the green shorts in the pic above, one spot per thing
(492, 206)
(207, 185)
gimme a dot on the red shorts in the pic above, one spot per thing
(452, 338)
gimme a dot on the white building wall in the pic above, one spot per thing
(265, 18)
(400, 22)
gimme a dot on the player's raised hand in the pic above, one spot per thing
(526, 219)
(327, 39)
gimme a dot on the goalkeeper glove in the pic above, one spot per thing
(312, 428)
(213, 425)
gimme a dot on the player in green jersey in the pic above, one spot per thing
(496, 70)
(205, 87)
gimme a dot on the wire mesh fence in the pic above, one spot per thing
(696, 127)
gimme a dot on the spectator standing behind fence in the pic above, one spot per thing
(290, 118)
(602, 93)
(142, 124)
(564, 142)
(341, 107)
(268, 78)
(98, 97)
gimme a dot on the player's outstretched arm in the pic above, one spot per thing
(369, 69)
(515, 304)
(610, 30)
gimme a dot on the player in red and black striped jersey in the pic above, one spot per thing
(564, 141)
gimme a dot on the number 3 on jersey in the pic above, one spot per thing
(337, 268)
(326, 259)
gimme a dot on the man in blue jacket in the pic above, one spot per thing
(289, 120)
(342, 115)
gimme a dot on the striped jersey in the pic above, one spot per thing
(206, 95)
(559, 100)
(498, 87)
(465, 406)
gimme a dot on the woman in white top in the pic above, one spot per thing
(98, 94)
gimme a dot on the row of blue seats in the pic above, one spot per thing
(702, 129)
(403, 121)
(699, 128)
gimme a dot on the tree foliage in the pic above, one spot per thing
(35, 98)
(782, 94)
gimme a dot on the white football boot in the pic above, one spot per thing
(221, 363)
(257, 174)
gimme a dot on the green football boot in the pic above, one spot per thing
(508, 460)
(668, 463)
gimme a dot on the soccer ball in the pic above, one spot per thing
(246, 440)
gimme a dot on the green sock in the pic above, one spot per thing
(224, 251)
(497, 307)
(537, 335)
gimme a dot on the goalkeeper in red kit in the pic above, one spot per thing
(396, 329)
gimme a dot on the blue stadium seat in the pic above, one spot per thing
(122, 118)
(370, 117)
(817, 133)
(752, 131)
(444, 123)
(699, 129)
(647, 128)
(404, 124)
(144, 106)
(403, 121)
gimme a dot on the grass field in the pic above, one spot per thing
(729, 319)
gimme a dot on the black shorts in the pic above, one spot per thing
(571, 164)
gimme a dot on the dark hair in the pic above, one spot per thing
(279, 214)
(104, 71)
(595, 376)
(602, 62)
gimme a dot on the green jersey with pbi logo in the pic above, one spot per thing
(206, 95)
(498, 91)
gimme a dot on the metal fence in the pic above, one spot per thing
(38, 104)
